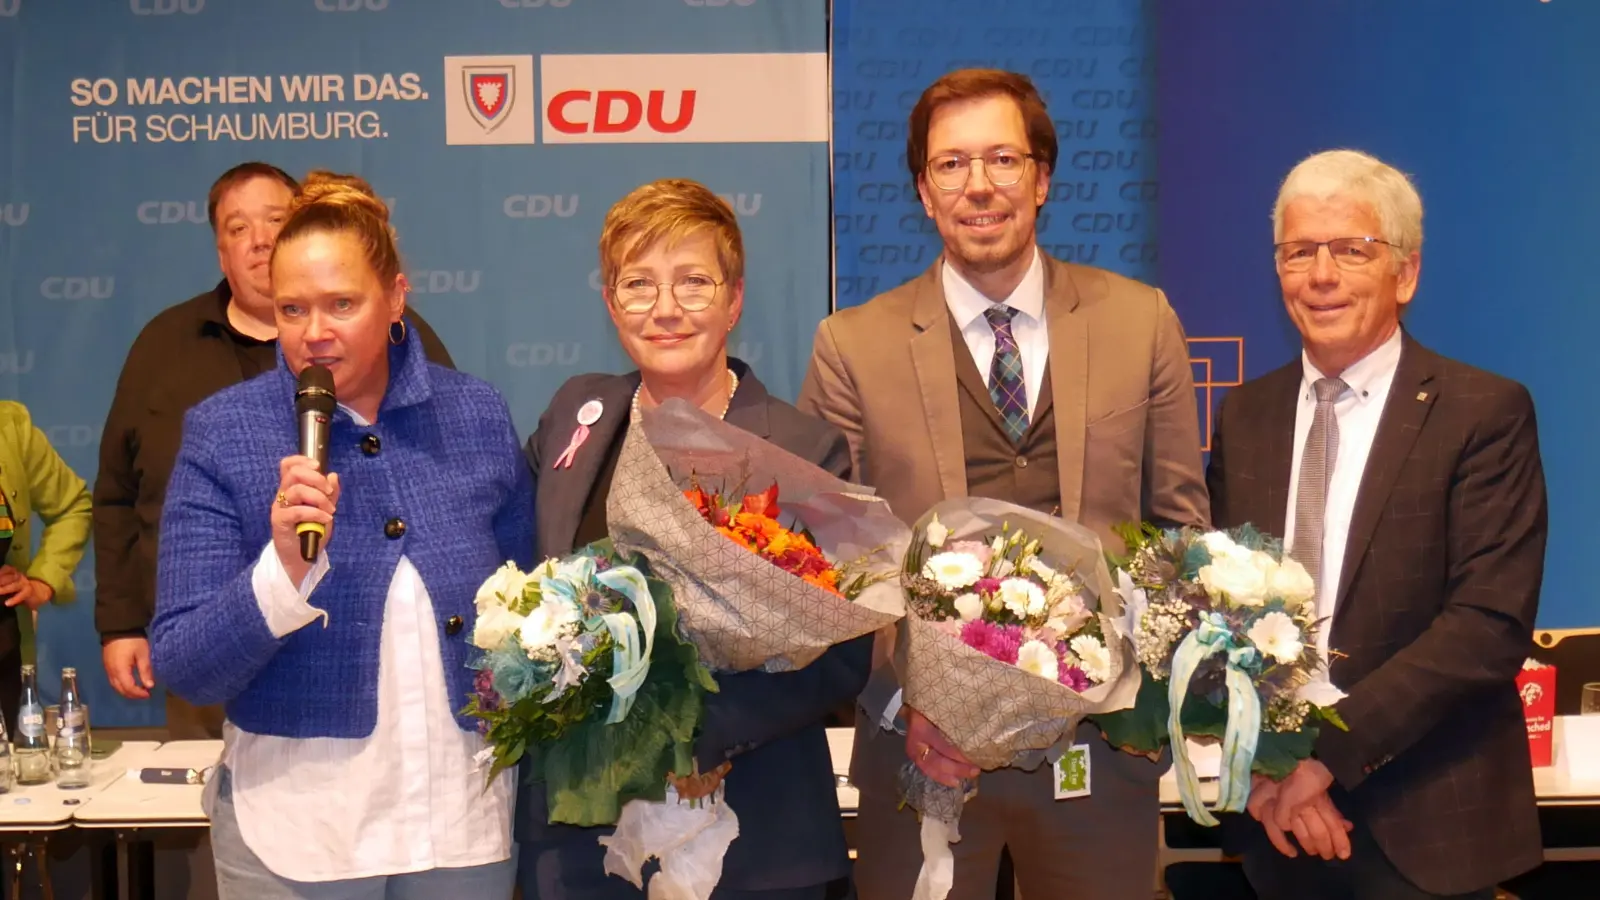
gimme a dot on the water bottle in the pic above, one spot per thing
(8, 775)
(72, 736)
(31, 748)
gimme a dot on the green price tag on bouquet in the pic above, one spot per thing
(1072, 773)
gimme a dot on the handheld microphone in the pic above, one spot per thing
(313, 406)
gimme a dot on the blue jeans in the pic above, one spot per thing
(242, 876)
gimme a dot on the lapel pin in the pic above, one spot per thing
(1423, 396)
(588, 414)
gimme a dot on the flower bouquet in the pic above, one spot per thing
(1011, 637)
(1225, 626)
(752, 593)
(582, 668)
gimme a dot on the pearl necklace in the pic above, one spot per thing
(733, 387)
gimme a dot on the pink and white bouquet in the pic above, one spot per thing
(1012, 635)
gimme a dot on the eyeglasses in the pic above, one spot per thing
(1003, 168)
(693, 293)
(1347, 253)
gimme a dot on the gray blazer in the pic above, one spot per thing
(770, 725)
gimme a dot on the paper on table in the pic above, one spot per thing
(1207, 758)
(1578, 747)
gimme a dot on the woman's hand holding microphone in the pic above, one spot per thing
(304, 495)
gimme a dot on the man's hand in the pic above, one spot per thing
(23, 590)
(933, 753)
(1309, 780)
(1316, 823)
(127, 662)
(696, 786)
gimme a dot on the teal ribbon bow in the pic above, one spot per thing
(1244, 717)
(630, 650)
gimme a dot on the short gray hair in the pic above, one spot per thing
(1361, 177)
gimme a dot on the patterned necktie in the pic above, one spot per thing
(1316, 470)
(1006, 385)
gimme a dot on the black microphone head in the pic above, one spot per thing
(315, 392)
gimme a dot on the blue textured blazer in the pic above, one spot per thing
(439, 478)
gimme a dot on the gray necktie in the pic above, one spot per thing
(1316, 470)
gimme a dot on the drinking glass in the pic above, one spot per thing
(1591, 699)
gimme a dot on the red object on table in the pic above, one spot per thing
(1538, 690)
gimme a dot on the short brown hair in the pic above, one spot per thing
(344, 204)
(976, 84)
(670, 209)
(240, 174)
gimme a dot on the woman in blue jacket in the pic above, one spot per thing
(347, 771)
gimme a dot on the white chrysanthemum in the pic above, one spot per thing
(937, 533)
(1276, 635)
(494, 625)
(554, 617)
(1022, 597)
(1036, 658)
(969, 607)
(953, 571)
(1292, 582)
(503, 588)
(1093, 657)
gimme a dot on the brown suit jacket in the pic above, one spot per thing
(1127, 435)
(1435, 610)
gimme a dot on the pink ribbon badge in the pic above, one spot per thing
(588, 414)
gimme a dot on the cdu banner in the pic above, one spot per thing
(499, 131)
(1488, 106)
(1093, 62)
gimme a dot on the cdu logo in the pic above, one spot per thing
(743, 204)
(534, 4)
(442, 281)
(78, 287)
(540, 206)
(172, 212)
(352, 5)
(166, 7)
(73, 435)
(533, 356)
(9, 8)
(13, 213)
(16, 362)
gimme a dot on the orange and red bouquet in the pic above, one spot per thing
(753, 523)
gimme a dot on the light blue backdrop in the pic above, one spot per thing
(95, 238)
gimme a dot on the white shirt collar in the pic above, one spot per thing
(1366, 375)
(967, 304)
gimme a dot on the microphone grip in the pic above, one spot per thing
(310, 540)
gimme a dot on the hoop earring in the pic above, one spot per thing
(402, 338)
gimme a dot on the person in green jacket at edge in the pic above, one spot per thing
(37, 487)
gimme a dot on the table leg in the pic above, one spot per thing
(41, 857)
(124, 873)
(14, 854)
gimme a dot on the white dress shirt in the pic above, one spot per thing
(1358, 411)
(407, 798)
(968, 306)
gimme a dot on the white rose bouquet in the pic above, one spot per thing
(1225, 628)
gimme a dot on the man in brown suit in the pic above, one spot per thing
(1410, 485)
(1003, 373)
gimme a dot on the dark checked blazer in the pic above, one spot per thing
(769, 725)
(1435, 609)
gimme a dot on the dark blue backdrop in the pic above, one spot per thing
(1489, 105)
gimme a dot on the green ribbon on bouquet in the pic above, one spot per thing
(1244, 717)
(629, 665)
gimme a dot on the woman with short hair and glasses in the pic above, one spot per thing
(672, 261)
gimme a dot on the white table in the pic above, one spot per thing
(28, 813)
(129, 805)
